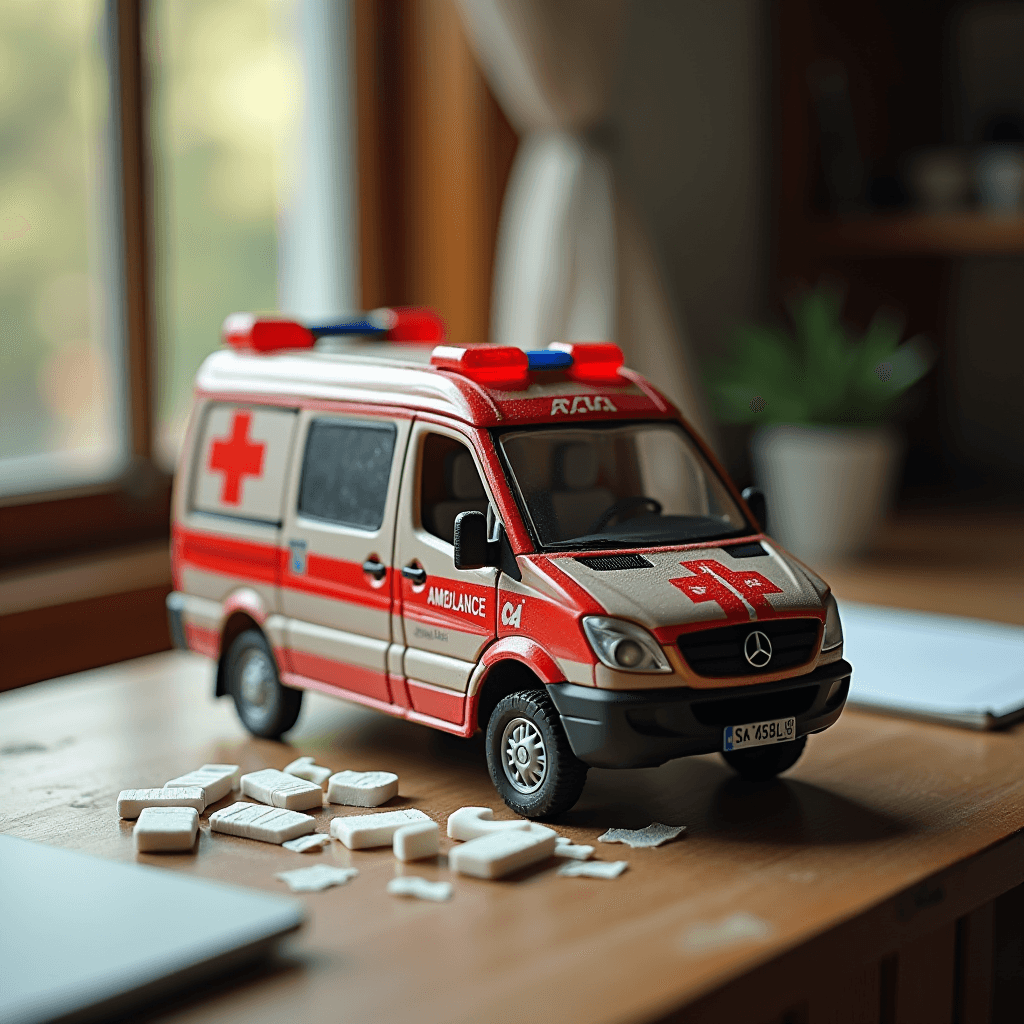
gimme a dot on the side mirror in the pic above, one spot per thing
(754, 497)
(472, 548)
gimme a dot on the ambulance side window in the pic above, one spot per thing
(449, 484)
(345, 472)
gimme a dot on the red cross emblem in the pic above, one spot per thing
(236, 457)
(731, 589)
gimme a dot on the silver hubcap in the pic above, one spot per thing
(256, 679)
(523, 755)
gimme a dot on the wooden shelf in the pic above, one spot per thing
(918, 234)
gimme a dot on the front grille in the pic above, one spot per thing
(762, 708)
(609, 563)
(718, 651)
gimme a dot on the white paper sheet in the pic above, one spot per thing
(965, 671)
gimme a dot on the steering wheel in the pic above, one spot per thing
(623, 505)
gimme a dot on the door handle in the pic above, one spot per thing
(378, 570)
(416, 573)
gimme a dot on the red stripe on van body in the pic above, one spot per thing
(336, 674)
(448, 705)
(213, 552)
(202, 640)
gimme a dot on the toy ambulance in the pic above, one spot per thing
(530, 544)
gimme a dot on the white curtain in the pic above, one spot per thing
(573, 261)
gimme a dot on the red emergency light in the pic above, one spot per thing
(495, 366)
(244, 331)
(594, 362)
(410, 323)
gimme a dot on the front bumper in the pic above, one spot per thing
(646, 728)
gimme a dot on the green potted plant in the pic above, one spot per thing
(821, 399)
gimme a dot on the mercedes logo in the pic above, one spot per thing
(757, 649)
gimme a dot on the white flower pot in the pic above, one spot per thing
(827, 488)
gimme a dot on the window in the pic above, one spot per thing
(345, 472)
(449, 484)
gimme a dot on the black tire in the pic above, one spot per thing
(552, 776)
(764, 763)
(266, 708)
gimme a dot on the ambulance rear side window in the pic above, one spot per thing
(345, 472)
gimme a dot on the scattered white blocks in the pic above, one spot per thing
(280, 790)
(501, 853)
(131, 802)
(217, 780)
(307, 844)
(653, 835)
(267, 824)
(166, 829)
(317, 878)
(474, 822)
(362, 789)
(594, 869)
(570, 851)
(364, 831)
(307, 768)
(420, 888)
(414, 842)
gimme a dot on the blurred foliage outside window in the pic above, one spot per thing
(226, 95)
(61, 390)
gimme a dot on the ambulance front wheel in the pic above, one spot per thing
(761, 763)
(529, 757)
(266, 708)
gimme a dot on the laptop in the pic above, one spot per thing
(83, 938)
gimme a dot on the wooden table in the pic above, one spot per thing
(859, 889)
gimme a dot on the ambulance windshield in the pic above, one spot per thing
(598, 486)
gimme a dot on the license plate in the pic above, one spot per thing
(759, 734)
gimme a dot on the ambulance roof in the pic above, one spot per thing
(400, 376)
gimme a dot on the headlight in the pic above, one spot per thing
(624, 646)
(833, 627)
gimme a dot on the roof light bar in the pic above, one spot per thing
(496, 366)
(402, 324)
(245, 331)
(592, 362)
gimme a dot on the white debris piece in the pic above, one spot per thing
(364, 831)
(594, 869)
(501, 853)
(414, 842)
(307, 768)
(473, 822)
(267, 824)
(166, 829)
(421, 888)
(653, 835)
(316, 878)
(362, 789)
(279, 790)
(570, 851)
(217, 780)
(130, 802)
(306, 844)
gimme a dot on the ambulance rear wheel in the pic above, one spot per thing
(531, 763)
(266, 708)
(763, 763)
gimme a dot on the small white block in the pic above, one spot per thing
(316, 878)
(267, 824)
(280, 790)
(474, 822)
(414, 842)
(570, 851)
(307, 768)
(594, 869)
(653, 835)
(307, 844)
(362, 789)
(363, 831)
(421, 888)
(501, 853)
(217, 780)
(130, 802)
(166, 829)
